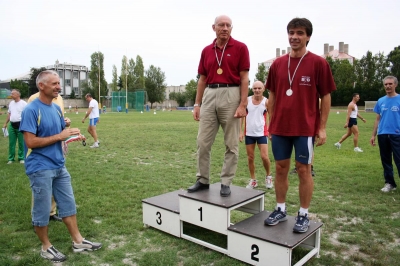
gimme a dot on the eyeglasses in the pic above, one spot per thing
(388, 84)
(257, 88)
(222, 25)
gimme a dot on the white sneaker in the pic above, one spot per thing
(22, 161)
(388, 188)
(338, 145)
(252, 184)
(9, 162)
(268, 182)
(357, 149)
(95, 145)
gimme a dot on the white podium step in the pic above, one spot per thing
(207, 209)
(255, 243)
(162, 212)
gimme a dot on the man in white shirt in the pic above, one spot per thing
(93, 114)
(15, 109)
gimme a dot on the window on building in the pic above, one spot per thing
(68, 82)
(60, 73)
(75, 75)
(76, 90)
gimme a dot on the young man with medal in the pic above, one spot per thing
(295, 82)
(221, 100)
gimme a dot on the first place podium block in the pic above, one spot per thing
(207, 209)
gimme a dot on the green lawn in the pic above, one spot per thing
(145, 155)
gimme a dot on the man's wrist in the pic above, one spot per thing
(196, 105)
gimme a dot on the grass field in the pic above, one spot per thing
(145, 155)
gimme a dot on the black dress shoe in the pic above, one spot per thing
(198, 186)
(225, 191)
(55, 218)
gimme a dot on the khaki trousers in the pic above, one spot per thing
(217, 109)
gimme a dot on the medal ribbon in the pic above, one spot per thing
(288, 67)
(216, 56)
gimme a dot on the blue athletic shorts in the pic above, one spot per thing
(352, 122)
(248, 140)
(282, 147)
(93, 121)
(45, 183)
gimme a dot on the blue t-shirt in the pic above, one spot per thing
(389, 110)
(43, 120)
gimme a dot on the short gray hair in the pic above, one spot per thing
(17, 91)
(391, 77)
(42, 77)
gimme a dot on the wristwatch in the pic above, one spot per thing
(196, 104)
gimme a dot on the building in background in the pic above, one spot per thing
(341, 54)
(72, 77)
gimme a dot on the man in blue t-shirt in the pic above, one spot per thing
(44, 129)
(387, 127)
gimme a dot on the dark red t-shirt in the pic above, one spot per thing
(298, 115)
(236, 59)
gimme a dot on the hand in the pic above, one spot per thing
(83, 120)
(196, 113)
(241, 137)
(321, 137)
(240, 111)
(69, 132)
(346, 125)
(364, 120)
(67, 121)
(372, 141)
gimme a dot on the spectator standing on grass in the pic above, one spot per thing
(44, 128)
(93, 114)
(15, 109)
(387, 127)
(255, 131)
(221, 100)
(295, 82)
(60, 102)
(351, 123)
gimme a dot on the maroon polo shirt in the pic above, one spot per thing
(236, 59)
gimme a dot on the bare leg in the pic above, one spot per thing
(250, 159)
(72, 226)
(281, 180)
(354, 129)
(345, 136)
(92, 132)
(306, 185)
(265, 159)
(41, 232)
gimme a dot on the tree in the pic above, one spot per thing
(131, 75)
(114, 84)
(155, 85)
(179, 97)
(96, 77)
(124, 72)
(22, 86)
(72, 95)
(394, 60)
(370, 71)
(261, 75)
(191, 90)
(32, 81)
(139, 74)
(343, 74)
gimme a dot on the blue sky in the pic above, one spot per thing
(171, 34)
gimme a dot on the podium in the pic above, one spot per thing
(248, 240)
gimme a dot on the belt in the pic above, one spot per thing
(222, 85)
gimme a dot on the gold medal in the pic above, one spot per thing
(219, 71)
